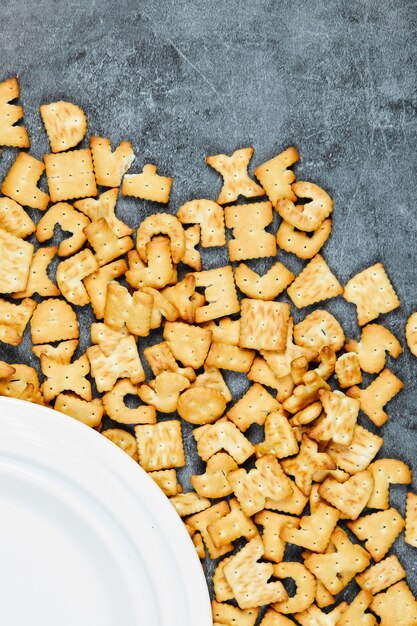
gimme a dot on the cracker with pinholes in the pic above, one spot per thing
(96, 284)
(148, 185)
(183, 297)
(159, 270)
(229, 615)
(164, 391)
(70, 175)
(266, 287)
(161, 308)
(327, 363)
(13, 320)
(386, 472)
(104, 206)
(272, 618)
(350, 497)
(339, 421)
(201, 405)
(69, 220)
(223, 435)
(372, 292)
(378, 531)
(307, 415)
(355, 612)
(15, 259)
(192, 257)
(308, 461)
(117, 409)
(123, 440)
(220, 293)
(315, 283)
(107, 338)
(266, 480)
(306, 393)
(122, 362)
(232, 526)
(53, 320)
(122, 309)
(189, 503)
(166, 481)
(110, 166)
(224, 330)
(304, 245)
(276, 177)
(189, 344)
(66, 377)
(14, 219)
(374, 398)
(161, 359)
(397, 605)
(161, 223)
(213, 483)
(21, 182)
(279, 437)
(209, 215)
(14, 384)
(348, 371)
(106, 245)
(65, 124)
(318, 329)
(382, 575)
(221, 588)
(160, 445)
(411, 520)
(200, 521)
(375, 341)
(62, 353)
(38, 279)
(280, 362)
(356, 456)
(264, 325)
(248, 578)
(250, 240)
(228, 357)
(252, 408)
(309, 216)
(10, 133)
(312, 531)
(70, 274)
(88, 412)
(305, 584)
(272, 524)
(234, 170)
(212, 377)
(313, 616)
(411, 333)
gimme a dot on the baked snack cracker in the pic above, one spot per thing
(10, 133)
(148, 185)
(263, 325)
(234, 170)
(21, 182)
(15, 259)
(266, 287)
(410, 535)
(160, 445)
(378, 531)
(65, 124)
(315, 283)
(14, 319)
(304, 245)
(248, 222)
(276, 177)
(210, 216)
(372, 293)
(104, 206)
(110, 166)
(70, 175)
(14, 219)
(69, 220)
(370, 350)
(309, 216)
(38, 280)
(376, 395)
(53, 320)
(411, 333)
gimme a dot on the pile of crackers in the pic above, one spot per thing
(312, 481)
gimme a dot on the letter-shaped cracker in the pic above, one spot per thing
(319, 329)
(386, 472)
(70, 274)
(192, 257)
(397, 605)
(189, 344)
(161, 308)
(306, 217)
(66, 377)
(158, 272)
(201, 405)
(161, 359)
(272, 618)
(148, 185)
(264, 325)
(312, 531)
(163, 392)
(104, 206)
(356, 456)
(210, 216)
(272, 524)
(10, 133)
(213, 438)
(248, 579)
(62, 353)
(225, 330)
(382, 575)
(21, 182)
(305, 587)
(167, 481)
(350, 497)
(279, 437)
(189, 503)
(96, 284)
(348, 370)
(254, 487)
(107, 338)
(220, 293)
(313, 616)
(306, 393)
(266, 287)
(182, 296)
(117, 410)
(378, 531)
(355, 613)
(372, 292)
(341, 414)
(161, 223)
(201, 521)
(252, 408)
(376, 395)
(107, 246)
(276, 178)
(229, 615)
(89, 413)
(65, 124)
(69, 220)
(38, 280)
(123, 362)
(411, 520)
(411, 333)
(248, 222)
(14, 319)
(303, 245)
(228, 357)
(234, 170)
(232, 526)
(109, 167)
(53, 320)
(375, 340)
(15, 260)
(70, 175)
(306, 463)
(337, 568)
(14, 219)
(160, 445)
(124, 440)
(315, 283)
(213, 483)
(134, 310)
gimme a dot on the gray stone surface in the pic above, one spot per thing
(186, 79)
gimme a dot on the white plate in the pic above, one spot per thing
(86, 537)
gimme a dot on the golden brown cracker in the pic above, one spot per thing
(252, 408)
(272, 618)
(164, 391)
(228, 615)
(110, 166)
(350, 497)
(260, 372)
(70, 175)
(280, 362)
(161, 359)
(266, 287)
(62, 353)
(161, 223)
(15, 259)
(14, 319)
(221, 588)
(234, 170)
(397, 605)
(107, 246)
(248, 222)
(313, 616)
(213, 483)
(161, 308)
(123, 362)
(69, 220)
(182, 296)
(15, 384)
(53, 320)
(356, 456)
(223, 436)
(38, 279)
(209, 215)
(66, 377)
(107, 338)
(372, 292)
(189, 344)
(264, 325)
(315, 283)
(133, 310)
(293, 504)
(355, 612)
(410, 535)
(378, 531)
(116, 408)
(104, 206)
(319, 329)
(312, 531)
(212, 377)
(411, 333)
(348, 371)
(374, 398)
(220, 293)
(65, 124)
(148, 185)
(201, 405)
(279, 437)
(339, 421)
(272, 524)
(306, 393)
(304, 245)
(10, 133)
(305, 584)
(192, 257)
(90, 413)
(310, 215)
(276, 177)
(21, 182)
(71, 273)
(166, 481)
(308, 461)
(158, 272)
(14, 219)
(189, 503)
(160, 446)
(232, 526)
(386, 472)
(224, 330)
(382, 575)
(200, 521)
(96, 284)
(123, 440)
(228, 357)
(370, 350)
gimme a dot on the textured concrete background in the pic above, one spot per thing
(190, 78)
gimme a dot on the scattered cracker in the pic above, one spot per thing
(10, 114)
(96, 284)
(306, 463)
(374, 398)
(38, 279)
(21, 182)
(70, 274)
(266, 287)
(90, 413)
(158, 272)
(160, 445)
(228, 357)
(319, 329)
(107, 246)
(212, 377)
(161, 359)
(53, 320)
(339, 421)
(192, 257)
(66, 377)
(201, 405)
(62, 353)
(104, 206)
(189, 344)
(309, 216)
(276, 177)
(220, 293)
(148, 185)
(70, 175)
(213, 483)
(306, 393)
(107, 338)
(386, 472)
(264, 325)
(122, 309)
(252, 408)
(378, 531)
(372, 293)
(65, 124)
(14, 319)
(183, 297)
(280, 362)
(382, 575)
(229, 615)
(164, 391)
(314, 617)
(167, 225)
(348, 370)
(410, 535)
(279, 437)
(15, 259)
(375, 340)
(315, 283)
(250, 240)
(14, 219)
(69, 220)
(16, 383)
(123, 440)
(221, 588)
(411, 333)
(200, 522)
(397, 605)
(312, 531)
(293, 504)
(355, 614)
(304, 245)
(117, 410)
(166, 481)
(209, 215)
(123, 362)
(110, 166)
(234, 170)
(272, 524)
(260, 372)
(350, 497)
(232, 526)
(356, 456)
(226, 436)
(272, 618)
(189, 503)
(305, 587)
(224, 330)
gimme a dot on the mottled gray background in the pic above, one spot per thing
(186, 79)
